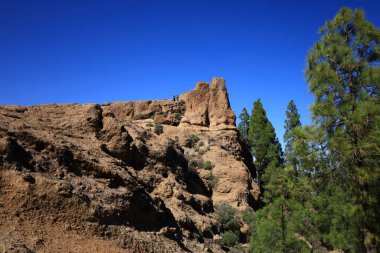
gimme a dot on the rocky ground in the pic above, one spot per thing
(140, 176)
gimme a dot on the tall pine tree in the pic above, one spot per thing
(343, 71)
(244, 125)
(292, 121)
(265, 147)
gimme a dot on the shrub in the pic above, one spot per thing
(176, 138)
(237, 249)
(158, 129)
(149, 102)
(196, 149)
(208, 165)
(250, 219)
(177, 116)
(226, 217)
(149, 124)
(212, 180)
(106, 104)
(195, 164)
(194, 139)
(138, 116)
(230, 239)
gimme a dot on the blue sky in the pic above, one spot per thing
(99, 51)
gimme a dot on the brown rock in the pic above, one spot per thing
(161, 119)
(196, 102)
(10, 245)
(209, 106)
(219, 109)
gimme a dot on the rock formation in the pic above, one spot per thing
(100, 178)
(209, 105)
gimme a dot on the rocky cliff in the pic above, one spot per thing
(141, 176)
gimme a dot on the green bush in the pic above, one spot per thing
(138, 116)
(250, 219)
(149, 124)
(158, 129)
(212, 180)
(230, 239)
(194, 139)
(226, 218)
(177, 116)
(208, 165)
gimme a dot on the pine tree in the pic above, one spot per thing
(283, 220)
(244, 125)
(292, 121)
(265, 147)
(343, 71)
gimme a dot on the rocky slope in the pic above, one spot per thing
(141, 176)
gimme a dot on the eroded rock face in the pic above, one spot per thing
(209, 105)
(91, 178)
(219, 105)
(196, 102)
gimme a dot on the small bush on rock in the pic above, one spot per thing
(195, 164)
(212, 180)
(208, 165)
(177, 116)
(226, 217)
(230, 239)
(158, 129)
(138, 117)
(194, 139)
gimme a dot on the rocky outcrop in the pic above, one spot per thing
(205, 105)
(209, 105)
(219, 109)
(100, 178)
(196, 102)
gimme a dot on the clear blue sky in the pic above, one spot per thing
(98, 51)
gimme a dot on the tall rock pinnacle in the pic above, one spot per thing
(209, 105)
